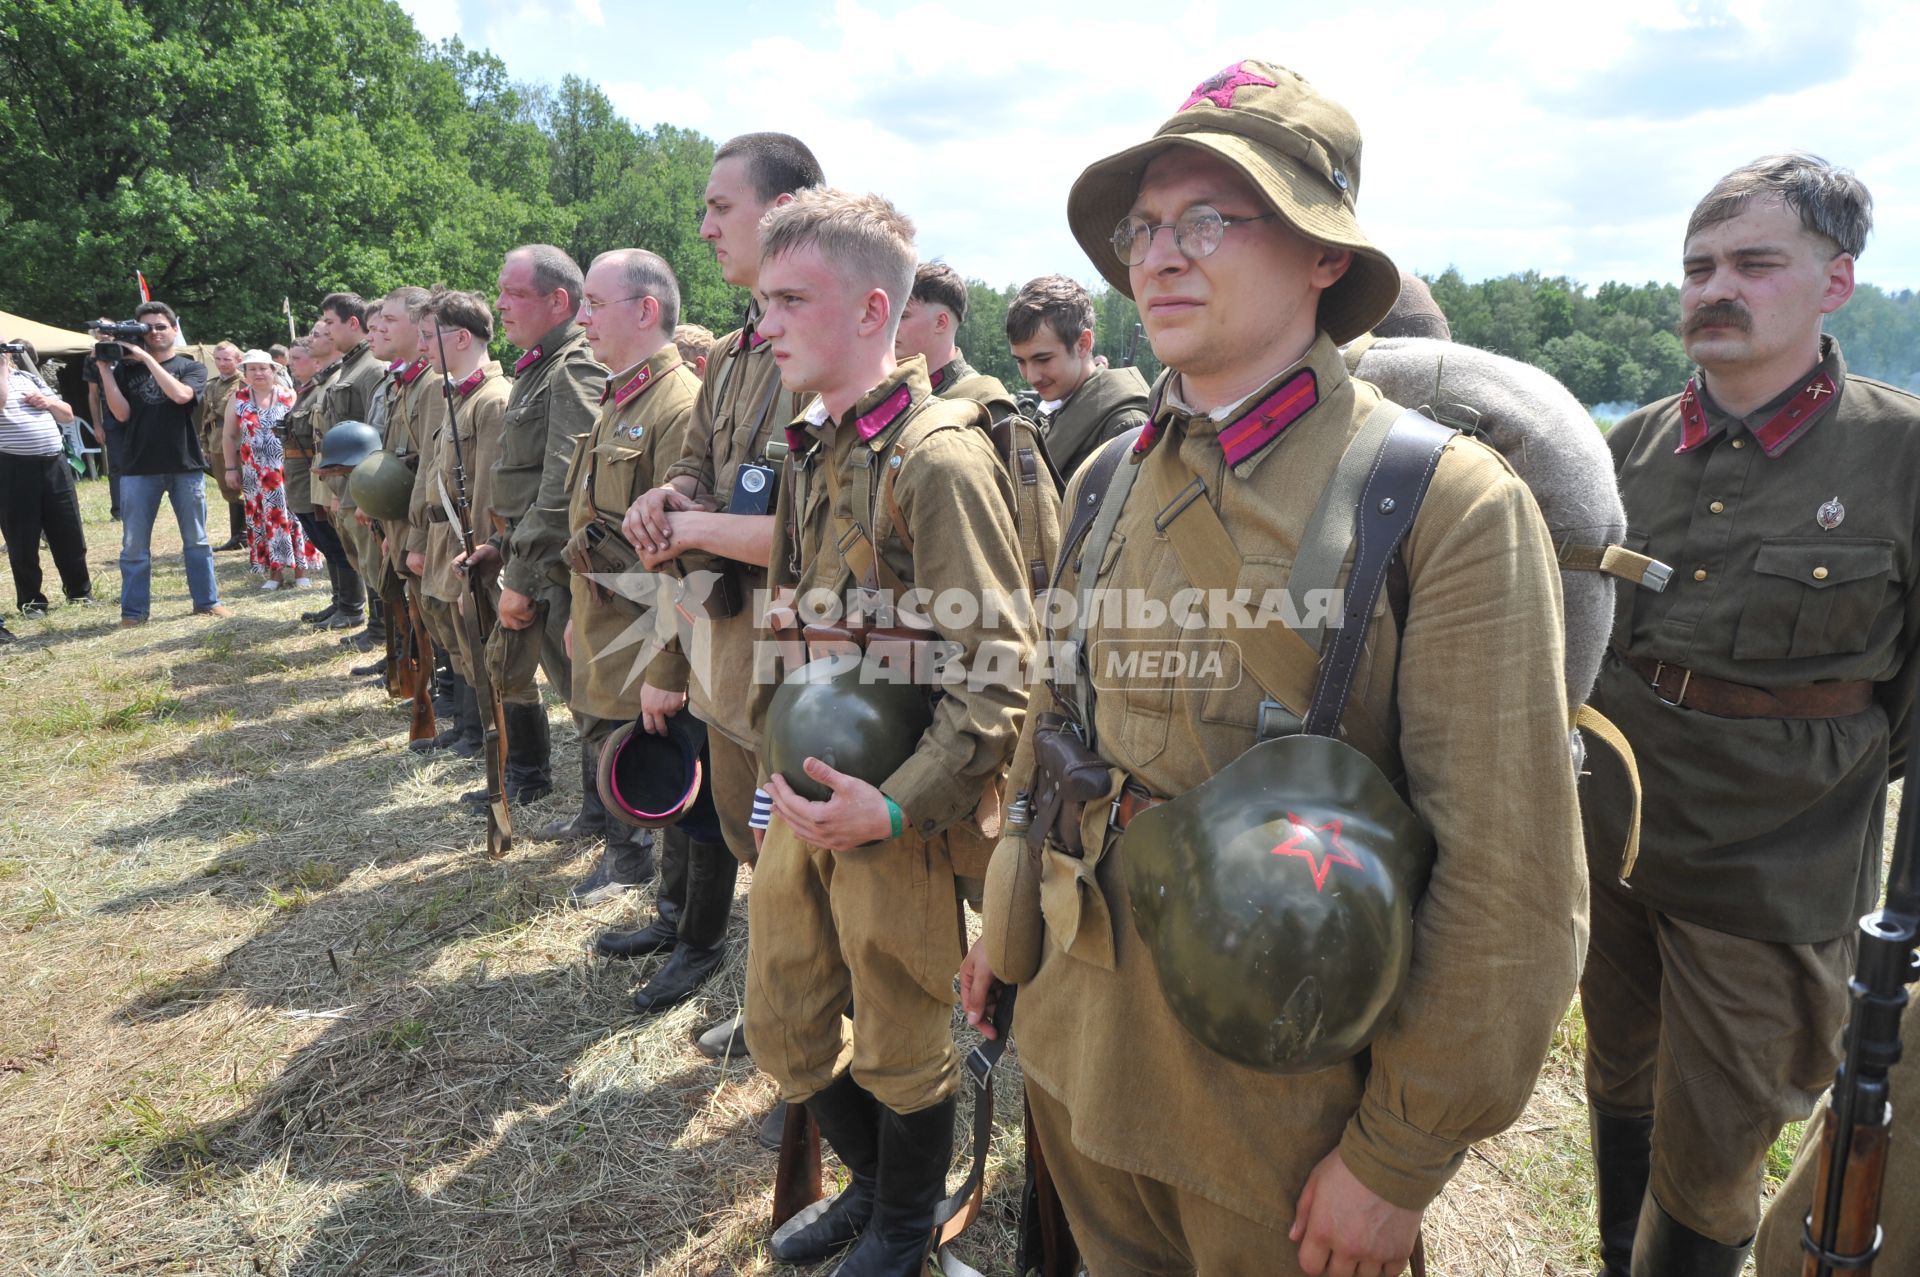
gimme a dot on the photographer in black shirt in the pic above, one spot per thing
(157, 392)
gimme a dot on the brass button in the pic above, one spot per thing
(1718, 507)
(1699, 574)
(1739, 443)
(1819, 574)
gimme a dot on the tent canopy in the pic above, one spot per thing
(47, 340)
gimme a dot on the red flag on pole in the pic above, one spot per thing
(145, 294)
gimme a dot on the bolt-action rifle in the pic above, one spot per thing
(474, 618)
(1841, 1233)
(409, 655)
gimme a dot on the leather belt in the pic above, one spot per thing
(296, 453)
(1677, 685)
(1132, 799)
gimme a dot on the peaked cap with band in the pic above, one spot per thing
(1300, 150)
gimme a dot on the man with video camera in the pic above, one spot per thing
(156, 391)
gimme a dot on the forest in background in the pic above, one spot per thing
(238, 153)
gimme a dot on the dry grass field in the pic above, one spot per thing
(268, 1008)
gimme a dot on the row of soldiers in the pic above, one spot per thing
(839, 443)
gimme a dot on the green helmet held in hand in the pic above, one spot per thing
(1277, 902)
(347, 445)
(382, 485)
(857, 716)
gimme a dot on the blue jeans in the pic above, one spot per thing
(139, 505)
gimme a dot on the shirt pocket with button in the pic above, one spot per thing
(614, 465)
(1814, 596)
(1131, 640)
(523, 441)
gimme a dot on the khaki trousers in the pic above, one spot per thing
(444, 626)
(736, 774)
(880, 927)
(1129, 1225)
(515, 655)
(1721, 1039)
(1778, 1253)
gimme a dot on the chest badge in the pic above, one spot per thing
(1830, 514)
(635, 432)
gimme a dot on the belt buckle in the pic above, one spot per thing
(1113, 811)
(1660, 668)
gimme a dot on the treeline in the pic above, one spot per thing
(240, 152)
(1620, 344)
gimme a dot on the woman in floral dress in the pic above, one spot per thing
(256, 458)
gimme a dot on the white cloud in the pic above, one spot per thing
(437, 20)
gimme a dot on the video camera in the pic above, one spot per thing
(14, 348)
(107, 349)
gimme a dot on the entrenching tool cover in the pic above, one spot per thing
(851, 715)
(382, 485)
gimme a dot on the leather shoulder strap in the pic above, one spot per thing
(1093, 494)
(1388, 503)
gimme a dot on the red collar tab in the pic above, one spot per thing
(884, 413)
(1780, 430)
(528, 360)
(1220, 87)
(943, 375)
(471, 384)
(635, 384)
(1271, 417)
(750, 339)
(1693, 418)
(411, 373)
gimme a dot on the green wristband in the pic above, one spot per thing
(894, 815)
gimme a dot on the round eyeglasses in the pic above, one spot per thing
(1196, 234)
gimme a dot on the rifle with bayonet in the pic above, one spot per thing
(475, 612)
(409, 655)
(1841, 1233)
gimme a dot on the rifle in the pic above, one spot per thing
(419, 665)
(493, 716)
(1842, 1229)
(796, 1175)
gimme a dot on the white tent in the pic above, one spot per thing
(47, 340)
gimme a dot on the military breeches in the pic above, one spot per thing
(1129, 1225)
(1722, 1040)
(444, 625)
(879, 927)
(513, 656)
(736, 774)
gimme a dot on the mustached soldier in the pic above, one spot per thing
(1767, 693)
(1234, 230)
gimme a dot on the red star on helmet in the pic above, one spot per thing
(1301, 843)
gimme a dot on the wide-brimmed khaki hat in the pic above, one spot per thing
(1300, 150)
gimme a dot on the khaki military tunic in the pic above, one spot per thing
(349, 397)
(556, 397)
(301, 444)
(213, 422)
(1110, 402)
(642, 423)
(741, 405)
(1471, 703)
(480, 406)
(881, 924)
(403, 396)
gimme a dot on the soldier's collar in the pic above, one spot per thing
(352, 355)
(1775, 426)
(472, 383)
(954, 370)
(623, 386)
(1249, 427)
(411, 372)
(875, 415)
(550, 341)
(750, 338)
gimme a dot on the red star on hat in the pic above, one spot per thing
(1300, 843)
(1220, 87)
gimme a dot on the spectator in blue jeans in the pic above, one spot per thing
(157, 392)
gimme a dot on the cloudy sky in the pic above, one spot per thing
(1501, 135)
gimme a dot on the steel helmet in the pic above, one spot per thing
(347, 444)
(382, 485)
(1277, 901)
(858, 716)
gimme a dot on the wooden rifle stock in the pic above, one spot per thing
(796, 1177)
(423, 725)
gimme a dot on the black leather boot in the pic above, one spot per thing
(236, 528)
(1668, 1248)
(529, 773)
(1622, 1152)
(664, 931)
(702, 946)
(592, 820)
(849, 1120)
(915, 1152)
(444, 682)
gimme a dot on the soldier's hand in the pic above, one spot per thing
(646, 525)
(416, 563)
(485, 555)
(657, 706)
(516, 609)
(980, 990)
(855, 815)
(360, 517)
(566, 638)
(1344, 1229)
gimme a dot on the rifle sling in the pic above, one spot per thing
(1102, 496)
(960, 1207)
(1324, 545)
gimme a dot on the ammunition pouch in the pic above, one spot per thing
(713, 589)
